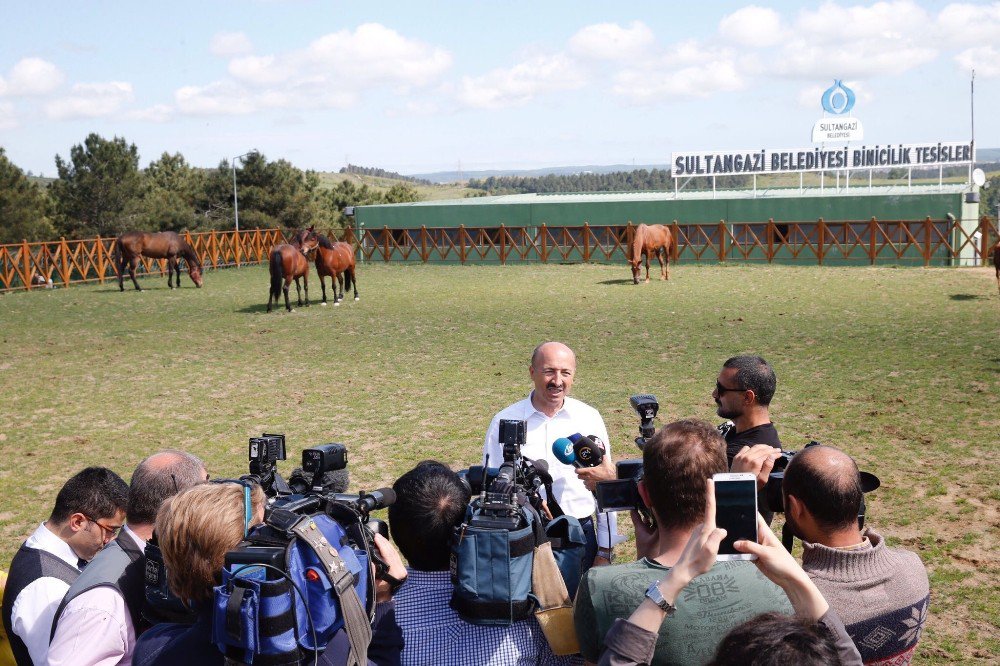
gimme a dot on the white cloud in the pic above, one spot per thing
(610, 41)
(857, 41)
(229, 44)
(517, 85)
(260, 70)
(971, 24)
(8, 120)
(158, 113)
(752, 26)
(650, 84)
(219, 98)
(90, 100)
(33, 76)
(984, 59)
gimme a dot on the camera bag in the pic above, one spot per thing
(265, 616)
(565, 534)
(491, 570)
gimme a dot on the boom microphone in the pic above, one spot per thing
(562, 449)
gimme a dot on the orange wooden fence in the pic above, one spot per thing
(941, 241)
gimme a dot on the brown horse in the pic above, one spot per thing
(337, 261)
(996, 262)
(651, 239)
(290, 262)
(162, 245)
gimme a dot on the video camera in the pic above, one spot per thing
(623, 494)
(501, 489)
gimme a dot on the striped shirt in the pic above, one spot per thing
(433, 633)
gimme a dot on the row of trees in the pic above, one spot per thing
(382, 173)
(638, 180)
(100, 189)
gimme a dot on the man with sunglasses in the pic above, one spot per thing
(88, 511)
(743, 393)
(100, 617)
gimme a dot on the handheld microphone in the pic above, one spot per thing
(562, 449)
(588, 452)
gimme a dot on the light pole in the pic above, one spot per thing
(236, 203)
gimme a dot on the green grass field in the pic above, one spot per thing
(900, 367)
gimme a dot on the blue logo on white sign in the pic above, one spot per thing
(838, 99)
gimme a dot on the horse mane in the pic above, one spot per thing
(190, 255)
(324, 242)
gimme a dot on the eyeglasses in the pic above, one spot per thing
(113, 530)
(720, 389)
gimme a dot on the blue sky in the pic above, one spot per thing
(417, 87)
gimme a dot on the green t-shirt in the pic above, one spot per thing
(711, 605)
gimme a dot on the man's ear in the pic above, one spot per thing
(644, 492)
(77, 522)
(749, 397)
(794, 507)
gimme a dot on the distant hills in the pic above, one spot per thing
(983, 156)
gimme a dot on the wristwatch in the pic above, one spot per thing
(653, 593)
(606, 553)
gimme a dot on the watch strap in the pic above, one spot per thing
(653, 594)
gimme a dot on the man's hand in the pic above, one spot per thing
(603, 472)
(757, 460)
(646, 536)
(383, 591)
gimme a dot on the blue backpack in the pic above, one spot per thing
(272, 615)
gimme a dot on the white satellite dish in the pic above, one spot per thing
(978, 177)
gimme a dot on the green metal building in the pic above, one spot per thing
(795, 214)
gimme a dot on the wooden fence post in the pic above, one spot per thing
(385, 243)
(927, 241)
(423, 243)
(872, 225)
(723, 241)
(676, 249)
(984, 241)
(545, 252)
(821, 228)
(100, 259)
(64, 250)
(770, 240)
(629, 236)
(503, 245)
(26, 262)
(236, 247)
(586, 242)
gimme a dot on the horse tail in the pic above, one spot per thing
(277, 273)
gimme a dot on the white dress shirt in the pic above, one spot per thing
(32, 612)
(95, 628)
(569, 490)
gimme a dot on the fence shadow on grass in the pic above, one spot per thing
(967, 297)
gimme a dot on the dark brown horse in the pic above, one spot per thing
(290, 262)
(162, 245)
(651, 239)
(996, 262)
(337, 261)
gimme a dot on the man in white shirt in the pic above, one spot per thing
(99, 619)
(88, 509)
(550, 414)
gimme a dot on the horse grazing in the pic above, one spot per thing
(337, 261)
(651, 239)
(290, 262)
(162, 245)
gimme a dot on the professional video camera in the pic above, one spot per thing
(773, 496)
(623, 494)
(499, 492)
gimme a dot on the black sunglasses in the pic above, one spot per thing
(720, 389)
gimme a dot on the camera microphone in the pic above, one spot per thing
(562, 449)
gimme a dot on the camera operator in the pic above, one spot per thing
(815, 637)
(100, 616)
(550, 414)
(88, 510)
(881, 593)
(743, 393)
(430, 503)
(676, 462)
(195, 530)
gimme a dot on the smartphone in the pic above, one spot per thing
(735, 512)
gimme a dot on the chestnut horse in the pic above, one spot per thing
(162, 245)
(337, 261)
(651, 239)
(290, 262)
